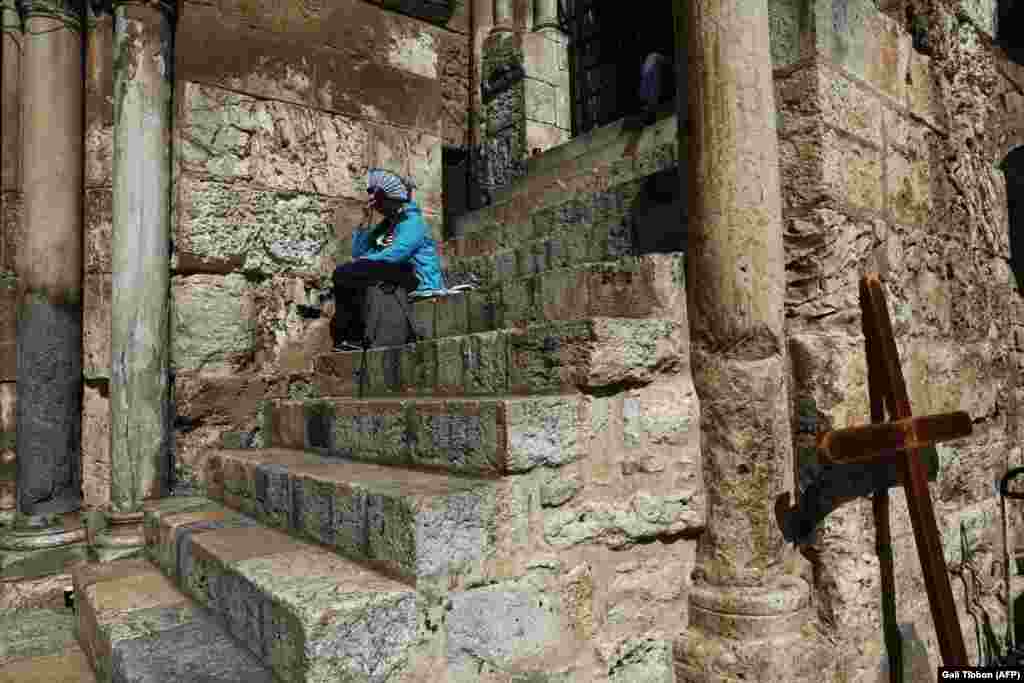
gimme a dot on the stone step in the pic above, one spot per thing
(489, 436)
(303, 611)
(650, 286)
(134, 625)
(413, 525)
(592, 353)
(592, 162)
(39, 646)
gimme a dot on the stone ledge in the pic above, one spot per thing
(416, 525)
(650, 286)
(593, 353)
(303, 611)
(487, 436)
(133, 624)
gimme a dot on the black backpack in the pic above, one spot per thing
(388, 316)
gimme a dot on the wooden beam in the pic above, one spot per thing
(866, 443)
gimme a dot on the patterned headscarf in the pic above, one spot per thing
(391, 184)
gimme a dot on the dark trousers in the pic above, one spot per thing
(350, 283)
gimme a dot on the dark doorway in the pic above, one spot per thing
(1010, 28)
(462, 188)
(609, 40)
(1013, 169)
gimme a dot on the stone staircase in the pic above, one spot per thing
(414, 534)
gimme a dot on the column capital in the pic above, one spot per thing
(71, 11)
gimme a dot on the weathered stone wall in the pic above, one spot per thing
(886, 132)
(279, 113)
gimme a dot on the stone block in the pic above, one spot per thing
(284, 424)
(34, 633)
(98, 227)
(790, 37)
(99, 154)
(592, 353)
(484, 310)
(904, 133)
(334, 374)
(547, 134)
(135, 625)
(452, 316)
(518, 301)
(543, 431)
(539, 102)
(505, 267)
(531, 625)
(340, 89)
(212, 325)
(818, 93)
(95, 444)
(13, 225)
(540, 57)
(249, 573)
(216, 49)
(450, 366)
(923, 96)
(264, 231)
(458, 435)
(420, 525)
(419, 368)
(857, 37)
(982, 14)
(374, 431)
(485, 363)
(299, 149)
(8, 332)
(97, 294)
(848, 171)
(424, 318)
(909, 186)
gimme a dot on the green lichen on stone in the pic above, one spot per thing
(302, 391)
(280, 231)
(210, 322)
(8, 279)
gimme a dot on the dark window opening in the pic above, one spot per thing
(1010, 28)
(609, 42)
(461, 185)
(1013, 169)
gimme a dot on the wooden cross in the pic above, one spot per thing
(898, 441)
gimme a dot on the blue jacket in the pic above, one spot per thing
(412, 243)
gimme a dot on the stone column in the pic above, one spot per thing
(743, 589)
(49, 330)
(545, 14)
(503, 15)
(140, 260)
(10, 212)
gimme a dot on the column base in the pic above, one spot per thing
(42, 545)
(744, 634)
(123, 538)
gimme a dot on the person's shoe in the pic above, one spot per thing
(426, 293)
(347, 346)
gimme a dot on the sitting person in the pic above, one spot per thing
(398, 250)
(657, 86)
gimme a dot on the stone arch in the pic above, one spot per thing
(1013, 169)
